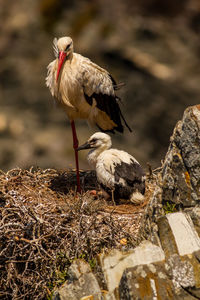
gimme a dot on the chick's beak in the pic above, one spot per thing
(61, 60)
(84, 146)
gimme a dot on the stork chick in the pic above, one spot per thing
(84, 90)
(117, 171)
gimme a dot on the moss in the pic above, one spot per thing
(169, 207)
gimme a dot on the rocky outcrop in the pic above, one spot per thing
(177, 185)
(178, 275)
(167, 264)
(81, 284)
(181, 168)
(114, 263)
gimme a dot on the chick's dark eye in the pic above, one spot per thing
(93, 140)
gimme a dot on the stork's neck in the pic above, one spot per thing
(94, 153)
(69, 57)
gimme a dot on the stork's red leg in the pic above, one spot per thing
(75, 145)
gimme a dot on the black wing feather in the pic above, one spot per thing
(109, 105)
(132, 173)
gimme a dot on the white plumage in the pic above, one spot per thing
(117, 171)
(84, 90)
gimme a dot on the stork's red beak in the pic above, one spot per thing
(61, 60)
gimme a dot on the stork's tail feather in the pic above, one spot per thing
(118, 86)
(121, 115)
(105, 131)
(137, 198)
(125, 121)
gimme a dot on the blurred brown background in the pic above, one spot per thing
(153, 46)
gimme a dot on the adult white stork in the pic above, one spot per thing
(117, 171)
(84, 90)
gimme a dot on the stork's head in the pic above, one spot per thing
(63, 49)
(98, 140)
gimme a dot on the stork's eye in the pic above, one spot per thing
(68, 46)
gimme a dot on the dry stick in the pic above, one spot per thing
(68, 237)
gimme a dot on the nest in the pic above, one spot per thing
(44, 226)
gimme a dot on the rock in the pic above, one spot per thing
(194, 213)
(146, 282)
(177, 276)
(181, 244)
(177, 234)
(182, 273)
(114, 263)
(178, 181)
(174, 279)
(82, 284)
(181, 168)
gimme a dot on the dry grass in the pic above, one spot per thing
(44, 226)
